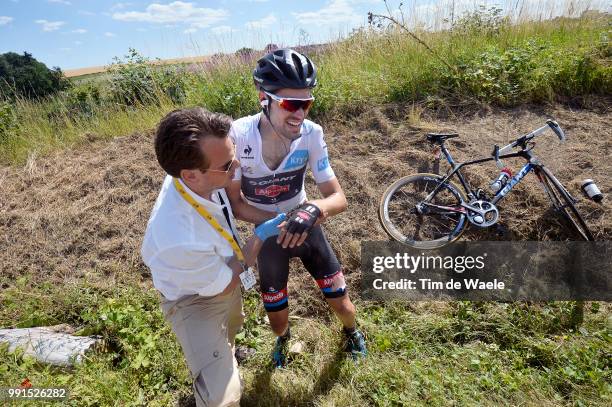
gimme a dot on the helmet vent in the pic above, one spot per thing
(269, 76)
(287, 71)
(297, 61)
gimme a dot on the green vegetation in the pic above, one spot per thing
(23, 76)
(421, 353)
(485, 60)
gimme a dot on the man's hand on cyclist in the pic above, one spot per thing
(299, 222)
(271, 227)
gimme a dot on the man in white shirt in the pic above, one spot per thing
(192, 248)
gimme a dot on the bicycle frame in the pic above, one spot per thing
(526, 154)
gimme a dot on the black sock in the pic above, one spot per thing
(286, 336)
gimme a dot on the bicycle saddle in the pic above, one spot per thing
(440, 137)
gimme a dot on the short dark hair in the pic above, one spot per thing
(177, 141)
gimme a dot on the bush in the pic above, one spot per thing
(232, 94)
(497, 76)
(132, 80)
(24, 76)
(82, 99)
(483, 21)
(172, 82)
(137, 81)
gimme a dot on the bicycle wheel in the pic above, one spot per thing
(564, 203)
(425, 228)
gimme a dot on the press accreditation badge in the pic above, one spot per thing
(248, 278)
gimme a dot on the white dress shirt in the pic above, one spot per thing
(185, 254)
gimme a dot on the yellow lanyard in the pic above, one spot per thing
(211, 220)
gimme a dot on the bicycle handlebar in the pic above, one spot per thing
(521, 141)
(557, 129)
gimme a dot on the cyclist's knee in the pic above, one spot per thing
(276, 303)
(333, 285)
(275, 300)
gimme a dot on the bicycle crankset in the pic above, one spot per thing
(482, 213)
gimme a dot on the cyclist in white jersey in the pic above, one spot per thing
(275, 148)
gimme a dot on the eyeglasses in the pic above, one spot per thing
(292, 104)
(226, 167)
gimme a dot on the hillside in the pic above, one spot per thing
(72, 224)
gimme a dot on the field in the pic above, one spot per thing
(78, 74)
(75, 203)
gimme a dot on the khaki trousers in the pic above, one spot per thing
(206, 328)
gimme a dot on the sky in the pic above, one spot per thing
(77, 33)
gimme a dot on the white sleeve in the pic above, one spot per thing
(318, 157)
(194, 267)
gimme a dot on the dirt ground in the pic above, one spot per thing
(81, 214)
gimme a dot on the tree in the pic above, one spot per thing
(24, 76)
(245, 51)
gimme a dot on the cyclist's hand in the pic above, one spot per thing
(299, 223)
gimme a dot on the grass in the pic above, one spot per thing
(420, 353)
(50, 127)
(546, 61)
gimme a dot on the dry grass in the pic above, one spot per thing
(72, 225)
(81, 214)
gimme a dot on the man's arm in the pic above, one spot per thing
(332, 203)
(251, 249)
(242, 210)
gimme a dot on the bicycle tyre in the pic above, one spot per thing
(392, 224)
(564, 203)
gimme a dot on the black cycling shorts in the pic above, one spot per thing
(317, 257)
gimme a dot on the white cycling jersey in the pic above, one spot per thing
(281, 189)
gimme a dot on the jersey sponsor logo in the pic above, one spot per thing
(297, 159)
(272, 191)
(248, 151)
(274, 296)
(273, 180)
(323, 163)
(334, 281)
(247, 170)
(284, 186)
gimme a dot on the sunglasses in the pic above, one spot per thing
(292, 104)
(226, 167)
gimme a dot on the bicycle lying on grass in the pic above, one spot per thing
(427, 211)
